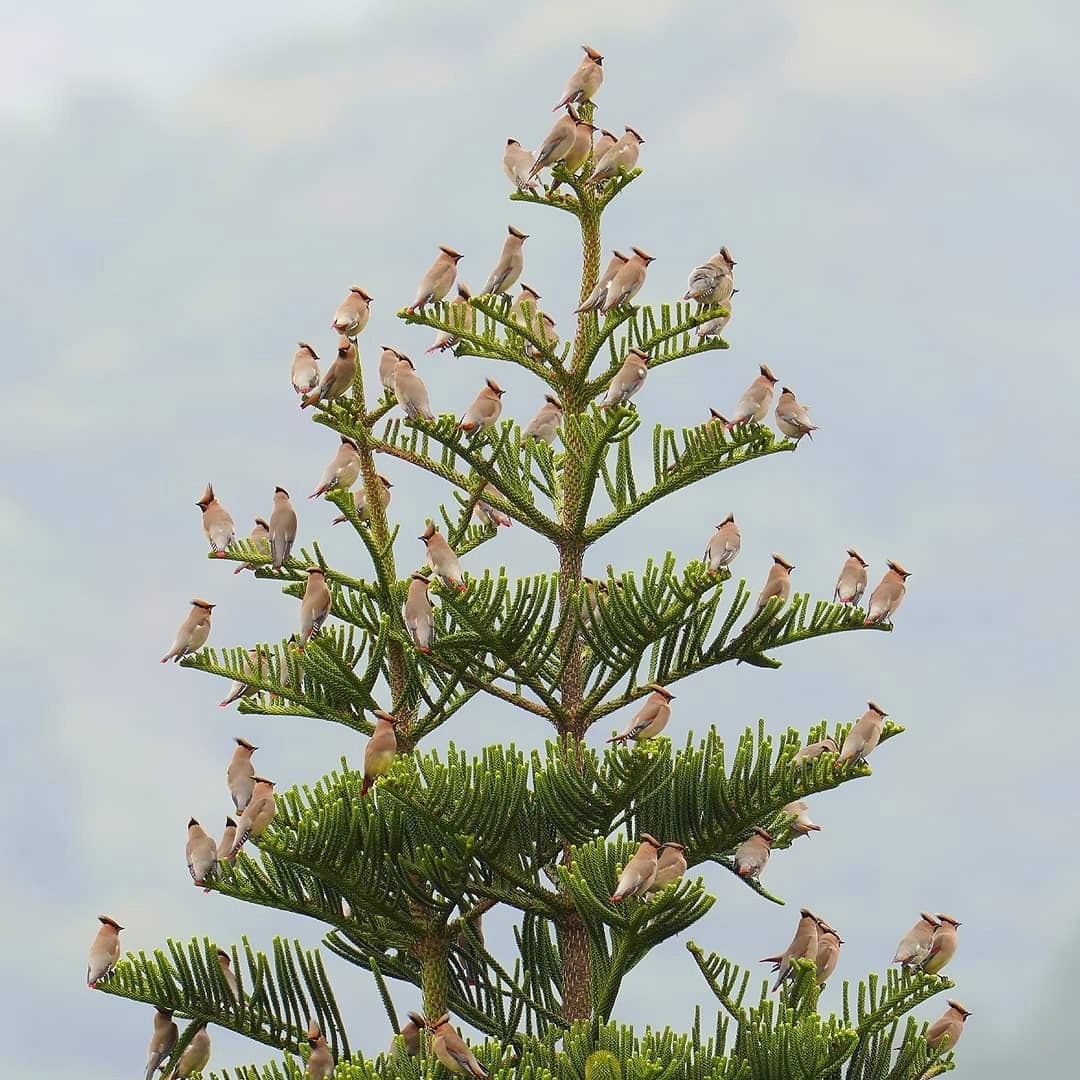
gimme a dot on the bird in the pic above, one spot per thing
(815, 750)
(546, 422)
(756, 399)
(606, 141)
(441, 558)
(863, 735)
(339, 375)
(162, 1040)
(380, 750)
(305, 369)
(256, 816)
(943, 945)
(777, 583)
(418, 613)
(452, 1050)
(714, 327)
(315, 606)
(888, 594)
(804, 946)
(628, 380)
(195, 1058)
(240, 775)
(282, 528)
(511, 262)
(628, 280)
(586, 80)
(410, 1033)
(192, 633)
(260, 538)
(547, 334)
(201, 854)
(752, 855)
(828, 952)
(411, 392)
(914, 947)
(595, 300)
(670, 865)
(360, 500)
(524, 308)
(388, 359)
(799, 819)
(438, 280)
(793, 419)
(342, 469)
(460, 314)
(353, 313)
(944, 1033)
(851, 584)
(713, 282)
(490, 516)
(723, 545)
(483, 414)
(579, 152)
(619, 159)
(217, 522)
(516, 164)
(320, 1062)
(104, 951)
(640, 872)
(557, 144)
(650, 719)
(225, 964)
(228, 838)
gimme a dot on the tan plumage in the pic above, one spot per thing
(756, 399)
(944, 1033)
(815, 749)
(201, 854)
(942, 946)
(723, 545)
(360, 500)
(411, 392)
(104, 951)
(320, 1062)
(752, 855)
(282, 528)
(410, 1034)
(557, 144)
(546, 422)
(380, 750)
(489, 516)
(546, 332)
(586, 80)
(606, 141)
(800, 823)
(483, 414)
(863, 736)
(228, 839)
(628, 380)
(670, 865)
(714, 327)
(888, 594)
(595, 300)
(162, 1040)
(620, 159)
(516, 164)
(195, 1058)
(793, 419)
(217, 522)
(579, 152)
(388, 358)
(342, 469)
(851, 584)
(650, 719)
(353, 313)
(240, 775)
(438, 279)
(713, 282)
(225, 964)
(828, 952)
(315, 606)
(192, 633)
(511, 262)
(524, 308)
(628, 280)
(461, 315)
(260, 537)
(257, 816)
(305, 369)
(915, 945)
(339, 375)
(640, 872)
(418, 613)
(452, 1050)
(804, 946)
(777, 583)
(441, 558)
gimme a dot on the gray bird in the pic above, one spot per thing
(282, 528)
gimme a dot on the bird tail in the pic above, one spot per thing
(241, 840)
(366, 786)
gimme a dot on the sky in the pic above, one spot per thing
(188, 192)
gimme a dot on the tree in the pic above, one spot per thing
(401, 875)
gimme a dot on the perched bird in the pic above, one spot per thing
(815, 750)
(888, 594)
(547, 334)
(620, 159)
(828, 952)
(579, 152)
(483, 414)
(546, 422)
(944, 1033)
(714, 327)
(192, 633)
(320, 1062)
(260, 537)
(606, 141)
(258, 814)
(418, 613)
(240, 775)
(756, 399)
(524, 308)
(723, 545)
(713, 282)
(104, 951)
(339, 376)
(640, 872)
(228, 839)
(557, 144)
(595, 300)
(800, 823)
(511, 262)
(793, 419)
(461, 315)
(915, 945)
(282, 528)
(305, 369)
(752, 855)
(863, 736)
(388, 359)
(380, 750)
(441, 558)
(410, 1033)
(777, 583)
(201, 854)
(586, 80)
(452, 1050)
(650, 719)
(195, 1058)
(217, 522)
(353, 313)
(315, 606)
(591, 595)
(628, 380)
(360, 500)
(225, 963)
(670, 865)
(628, 280)
(516, 164)
(804, 946)
(716, 417)
(411, 392)
(342, 469)
(490, 516)
(162, 1040)
(851, 584)
(943, 945)
(438, 280)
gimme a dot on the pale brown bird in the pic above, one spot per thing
(418, 613)
(546, 422)
(217, 522)
(441, 558)
(260, 537)
(713, 281)
(800, 823)
(483, 414)
(320, 1062)
(487, 515)
(804, 946)
(452, 1050)
(282, 528)
(915, 945)
(511, 262)
(628, 380)
(586, 80)
(353, 313)
(438, 280)
(944, 1033)
(793, 419)
(888, 594)
(756, 399)
(650, 719)
(670, 865)
(201, 854)
(381, 749)
(411, 392)
(863, 735)
(342, 469)
(546, 332)
(606, 141)
(305, 369)
(851, 584)
(257, 815)
(339, 375)
(195, 1058)
(228, 839)
(591, 595)
(714, 327)
(752, 855)
(640, 872)
(524, 308)
(723, 546)
(581, 149)
(814, 750)
(315, 606)
(461, 315)
(595, 300)
(943, 945)
(104, 951)
(192, 633)
(162, 1040)
(828, 953)
(716, 417)
(777, 583)
(557, 144)
(388, 359)
(360, 500)
(620, 159)
(516, 164)
(628, 280)
(410, 1033)
(240, 775)
(225, 963)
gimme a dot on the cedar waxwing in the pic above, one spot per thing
(546, 422)
(228, 839)
(581, 149)
(438, 280)
(943, 945)
(887, 595)
(557, 144)
(240, 775)
(418, 613)
(547, 333)
(640, 872)
(863, 736)
(815, 750)
(380, 750)
(341, 472)
(305, 369)
(628, 280)
(461, 314)
(388, 358)
(712, 282)
(606, 141)
(650, 719)
(192, 633)
(620, 159)
(524, 308)
(723, 545)
(586, 80)
(828, 952)
(516, 163)
(320, 1062)
(489, 516)
(777, 583)
(714, 327)
(851, 584)
(483, 414)
(716, 417)
(217, 522)
(257, 815)
(592, 591)
(162, 1040)
(282, 528)
(353, 313)
(628, 380)
(595, 300)
(195, 1058)
(410, 391)
(757, 398)
(104, 951)
(225, 964)
(452, 1050)
(360, 500)
(670, 865)
(259, 665)
(915, 945)
(315, 606)
(793, 419)
(339, 375)
(944, 1033)
(804, 946)
(201, 854)
(441, 558)
(511, 263)
(260, 537)
(752, 855)
(800, 823)
(410, 1033)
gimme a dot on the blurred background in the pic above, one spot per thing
(188, 190)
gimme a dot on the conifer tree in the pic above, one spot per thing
(401, 868)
